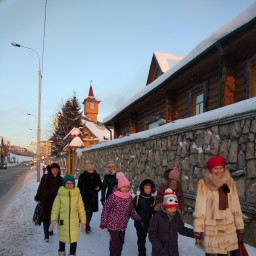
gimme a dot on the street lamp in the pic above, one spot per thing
(38, 148)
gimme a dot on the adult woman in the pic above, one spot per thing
(109, 181)
(90, 184)
(46, 193)
(217, 210)
(172, 177)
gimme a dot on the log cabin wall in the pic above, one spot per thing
(223, 71)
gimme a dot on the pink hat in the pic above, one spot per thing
(174, 174)
(122, 180)
(215, 161)
(170, 199)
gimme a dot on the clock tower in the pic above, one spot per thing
(91, 106)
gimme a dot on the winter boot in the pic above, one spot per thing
(62, 253)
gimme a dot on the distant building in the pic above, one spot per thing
(46, 147)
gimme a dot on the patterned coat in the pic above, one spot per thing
(47, 192)
(117, 211)
(68, 211)
(219, 226)
(163, 233)
(87, 183)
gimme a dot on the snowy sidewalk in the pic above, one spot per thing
(19, 236)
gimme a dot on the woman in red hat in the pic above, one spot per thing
(217, 215)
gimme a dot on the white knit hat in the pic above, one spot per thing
(170, 199)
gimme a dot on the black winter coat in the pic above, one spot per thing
(87, 183)
(144, 206)
(46, 193)
(109, 182)
(163, 234)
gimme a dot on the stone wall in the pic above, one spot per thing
(189, 148)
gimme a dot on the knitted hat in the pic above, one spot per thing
(111, 164)
(122, 180)
(170, 199)
(174, 174)
(68, 178)
(215, 161)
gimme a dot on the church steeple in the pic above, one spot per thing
(91, 105)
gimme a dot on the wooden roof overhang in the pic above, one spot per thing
(230, 44)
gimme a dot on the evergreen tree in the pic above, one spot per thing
(69, 117)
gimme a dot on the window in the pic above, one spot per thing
(197, 99)
(153, 125)
(199, 104)
(91, 105)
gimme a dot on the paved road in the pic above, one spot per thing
(10, 180)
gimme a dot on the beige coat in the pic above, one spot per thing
(219, 226)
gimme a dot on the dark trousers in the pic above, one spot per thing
(72, 247)
(116, 242)
(46, 225)
(141, 242)
(89, 213)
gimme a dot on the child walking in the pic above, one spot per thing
(68, 210)
(165, 226)
(144, 204)
(116, 213)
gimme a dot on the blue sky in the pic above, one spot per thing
(109, 42)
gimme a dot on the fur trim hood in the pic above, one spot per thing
(214, 183)
(142, 184)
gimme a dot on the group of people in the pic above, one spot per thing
(218, 224)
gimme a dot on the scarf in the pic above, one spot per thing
(122, 195)
(221, 185)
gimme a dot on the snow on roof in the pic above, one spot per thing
(213, 115)
(231, 26)
(76, 143)
(166, 60)
(99, 130)
(74, 132)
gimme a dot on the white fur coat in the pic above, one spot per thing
(219, 226)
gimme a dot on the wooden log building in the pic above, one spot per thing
(220, 71)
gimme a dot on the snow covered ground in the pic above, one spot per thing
(19, 236)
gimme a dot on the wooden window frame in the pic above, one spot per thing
(193, 94)
(253, 79)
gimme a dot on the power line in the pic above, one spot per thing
(45, 11)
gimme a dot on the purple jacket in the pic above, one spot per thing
(116, 213)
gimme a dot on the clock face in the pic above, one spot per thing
(91, 105)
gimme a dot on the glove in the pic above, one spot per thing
(102, 227)
(82, 227)
(102, 201)
(51, 227)
(199, 235)
(141, 223)
(240, 233)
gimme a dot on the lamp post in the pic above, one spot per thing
(38, 148)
